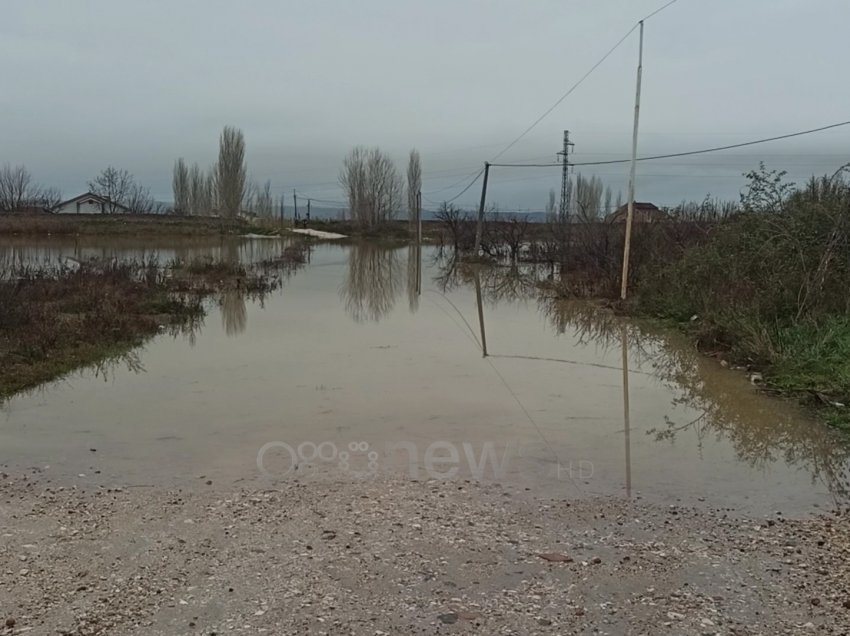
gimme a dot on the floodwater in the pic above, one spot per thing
(370, 359)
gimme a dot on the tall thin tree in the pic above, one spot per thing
(231, 171)
(414, 185)
(181, 188)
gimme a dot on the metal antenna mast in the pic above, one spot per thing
(564, 209)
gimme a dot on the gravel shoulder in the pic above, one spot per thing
(393, 556)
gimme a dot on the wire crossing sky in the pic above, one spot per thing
(460, 80)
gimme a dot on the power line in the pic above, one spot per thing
(557, 103)
(657, 11)
(301, 194)
(545, 114)
(461, 193)
(676, 154)
(580, 81)
(565, 95)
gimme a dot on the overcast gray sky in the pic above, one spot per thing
(138, 83)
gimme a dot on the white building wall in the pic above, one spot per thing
(87, 207)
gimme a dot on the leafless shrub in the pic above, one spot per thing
(509, 234)
(459, 226)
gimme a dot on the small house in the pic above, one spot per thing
(643, 213)
(89, 203)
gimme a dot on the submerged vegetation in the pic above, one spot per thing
(770, 287)
(763, 283)
(57, 319)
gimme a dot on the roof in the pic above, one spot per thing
(643, 211)
(91, 196)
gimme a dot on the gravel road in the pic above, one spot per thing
(392, 556)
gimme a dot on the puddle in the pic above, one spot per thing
(356, 367)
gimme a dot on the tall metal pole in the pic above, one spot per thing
(479, 230)
(631, 209)
(564, 208)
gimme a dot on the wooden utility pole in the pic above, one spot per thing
(308, 209)
(295, 203)
(479, 230)
(631, 208)
(419, 217)
(627, 431)
(480, 311)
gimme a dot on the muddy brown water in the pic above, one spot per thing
(369, 360)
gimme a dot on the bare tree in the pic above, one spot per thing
(414, 185)
(608, 196)
(459, 226)
(115, 186)
(182, 188)
(16, 187)
(588, 194)
(551, 206)
(49, 197)
(139, 200)
(511, 233)
(372, 184)
(231, 171)
(263, 201)
(249, 200)
(18, 190)
(201, 191)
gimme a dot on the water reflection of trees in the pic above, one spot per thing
(414, 276)
(717, 403)
(375, 280)
(44, 252)
(515, 282)
(234, 312)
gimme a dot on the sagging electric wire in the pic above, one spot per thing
(675, 155)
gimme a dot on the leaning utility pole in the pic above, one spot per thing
(479, 229)
(631, 209)
(564, 209)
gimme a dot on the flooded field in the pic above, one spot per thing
(370, 360)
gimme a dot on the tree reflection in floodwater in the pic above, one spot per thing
(760, 431)
(414, 276)
(374, 281)
(234, 312)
